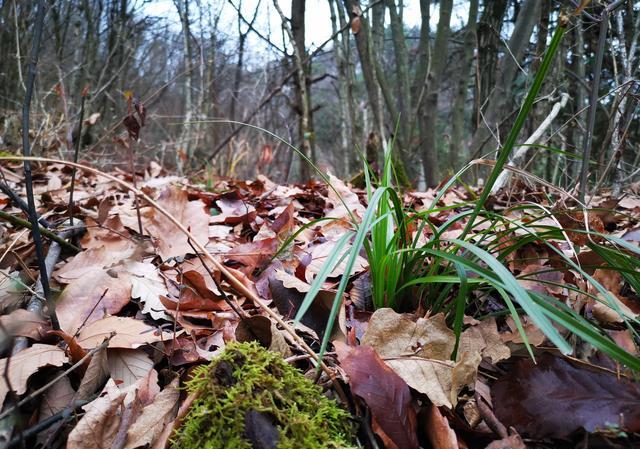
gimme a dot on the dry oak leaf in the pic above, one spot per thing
(346, 197)
(385, 393)
(99, 426)
(154, 417)
(128, 333)
(26, 363)
(171, 242)
(419, 352)
(91, 260)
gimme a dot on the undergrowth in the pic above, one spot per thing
(412, 264)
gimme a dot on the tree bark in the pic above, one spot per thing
(489, 28)
(461, 84)
(429, 111)
(502, 94)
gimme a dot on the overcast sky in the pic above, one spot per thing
(318, 23)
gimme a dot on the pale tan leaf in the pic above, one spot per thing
(23, 323)
(483, 338)
(419, 352)
(98, 427)
(128, 366)
(128, 333)
(147, 285)
(347, 196)
(319, 255)
(154, 417)
(26, 363)
(393, 334)
(84, 300)
(290, 281)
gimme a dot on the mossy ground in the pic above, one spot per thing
(249, 381)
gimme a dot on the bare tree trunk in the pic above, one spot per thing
(361, 33)
(296, 32)
(489, 28)
(184, 142)
(628, 62)
(457, 146)
(580, 93)
(429, 111)
(242, 39)
(508, 66)
(402, 73)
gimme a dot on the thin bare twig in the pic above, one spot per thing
(75, 159)
(26, 150)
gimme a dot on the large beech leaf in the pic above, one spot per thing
(555, 398)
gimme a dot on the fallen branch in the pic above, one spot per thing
(17, 221)
(15, 199)
(522, 150)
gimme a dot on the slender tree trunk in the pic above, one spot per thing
(429, 111)
(502, 94)
(580, 93)
(489, 28)
(457, 146)
(184, 142)
(361, 33)
(296, 33)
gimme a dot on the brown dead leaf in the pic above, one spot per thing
(419, 352)
(95, 376)
(233, 210)
(554, 398)
(26, 363)
(148, 286)
(533, 333)
(438, 430)
(511, 442)
(128, 333)
(82, 295)
(319, 255)
(99, 426)
(483, 338)
(154, 417)
(346, 194)
(128, 366)
(170, 241)
(22, 323)
(384, 392)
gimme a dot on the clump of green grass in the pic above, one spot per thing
(445, 275)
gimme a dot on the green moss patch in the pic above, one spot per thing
(250, 397)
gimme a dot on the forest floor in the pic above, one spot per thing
(138, 310)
